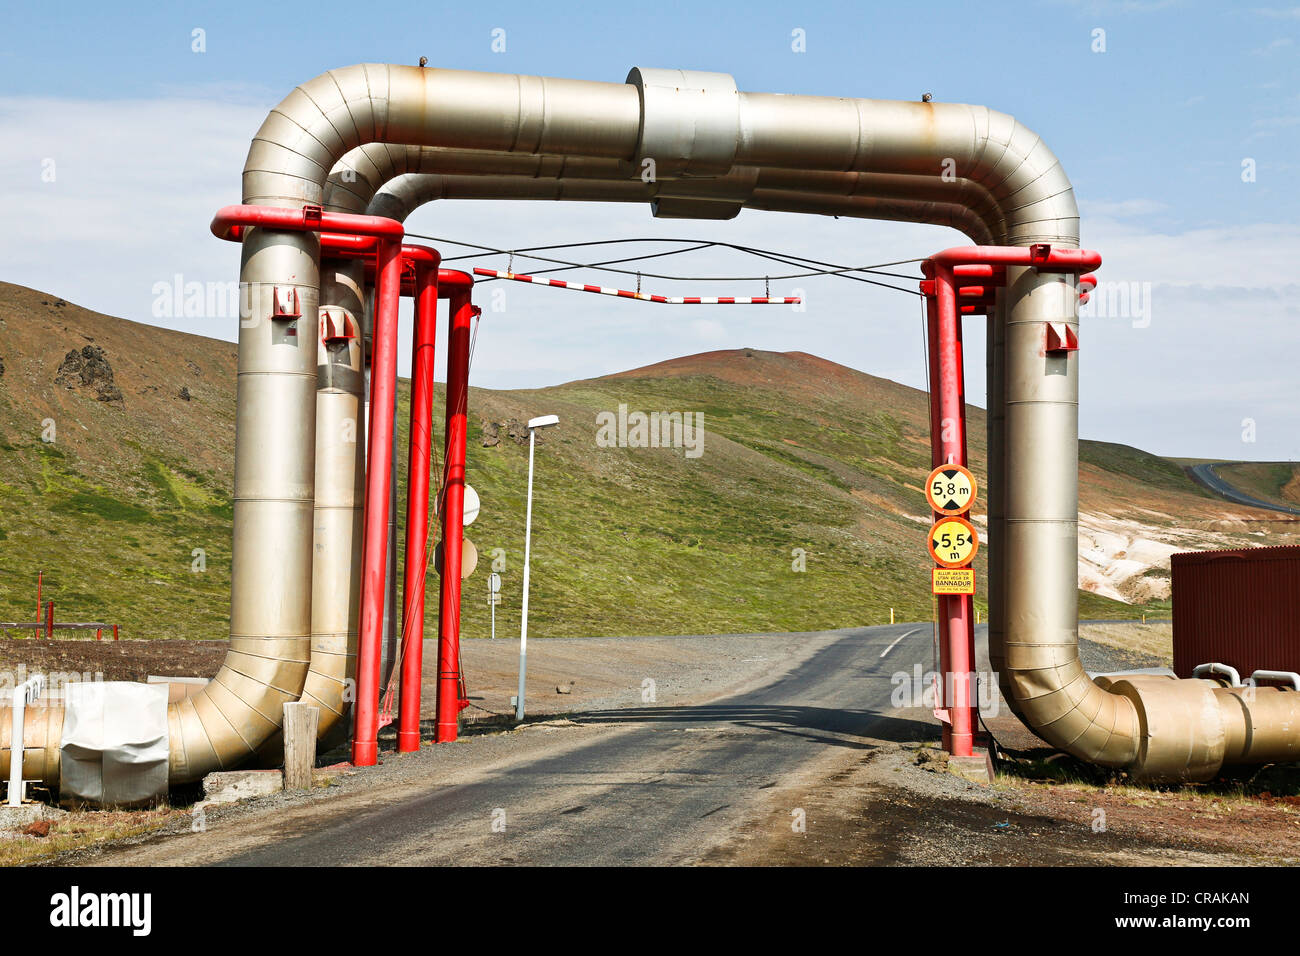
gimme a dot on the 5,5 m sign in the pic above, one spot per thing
(953, 542)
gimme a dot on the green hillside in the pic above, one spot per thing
(799, 456)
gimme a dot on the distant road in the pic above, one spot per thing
(1207, 476)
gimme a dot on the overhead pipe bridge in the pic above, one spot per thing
(382, 139)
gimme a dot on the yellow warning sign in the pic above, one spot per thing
(952, 580)
(953, 542)
(950, 489)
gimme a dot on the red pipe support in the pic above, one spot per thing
(374, 552)
(936, 458)
(946, 302)
(452, 511)
(954, 609)
(230, 222)
(417, 502)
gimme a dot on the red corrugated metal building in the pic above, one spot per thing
(1240, 608)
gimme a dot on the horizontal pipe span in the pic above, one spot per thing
(372, 171)
(408, 192)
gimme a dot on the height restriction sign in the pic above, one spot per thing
(950, 490)
(953, 542)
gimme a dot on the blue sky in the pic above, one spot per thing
(1153, 133)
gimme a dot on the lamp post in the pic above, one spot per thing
(542, 422)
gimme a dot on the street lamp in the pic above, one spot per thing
(543, 421)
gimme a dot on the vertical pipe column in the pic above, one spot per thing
(417, 504)
(956, 609)
(452, 515)
(996, 497)
(340, 491)
(1042, 501)
(388, 281)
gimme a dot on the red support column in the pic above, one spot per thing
(956, 610)
(374, 553)
(417, 504)
(452, 514)
(942, 701)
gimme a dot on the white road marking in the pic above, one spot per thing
(915, 630)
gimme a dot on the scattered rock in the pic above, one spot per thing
(565, 688)
(41, 828)
(193, 367)
(86, 369)
(936, 761)
(2, 368)
(185, 393)
(515, 430)
(231, 786)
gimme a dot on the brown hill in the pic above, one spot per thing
(128, 507)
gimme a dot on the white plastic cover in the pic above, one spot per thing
(114, 747)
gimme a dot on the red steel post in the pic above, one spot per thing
(955, 609)
(374, 553)
(417, 504)
(452, 515)
(936, 458)
(49, 620)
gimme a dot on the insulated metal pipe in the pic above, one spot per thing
(402, 195)
(417, 502)
(452, 511)
(995, 497)
(340, 494)
(364, 172)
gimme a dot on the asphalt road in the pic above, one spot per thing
(671, 781)
(1207, 476)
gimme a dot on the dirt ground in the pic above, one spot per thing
(896, 805)
(564, 674)
(112, 660)
(890, 804)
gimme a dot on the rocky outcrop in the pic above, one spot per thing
(513, 429)
(89, 368)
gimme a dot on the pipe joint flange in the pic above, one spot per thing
(690, 123)
(1180, 726)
